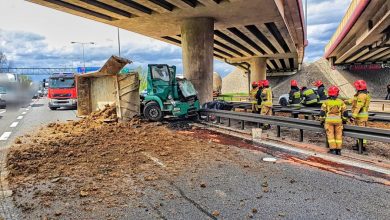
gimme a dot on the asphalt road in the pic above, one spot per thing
(259, 190)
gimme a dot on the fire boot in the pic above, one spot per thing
(333, 151)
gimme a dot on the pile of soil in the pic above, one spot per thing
(91, 166)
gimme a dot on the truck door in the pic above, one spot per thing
(161, 79)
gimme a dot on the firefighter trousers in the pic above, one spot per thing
(266, 110)
(361, 123)
(334, 134)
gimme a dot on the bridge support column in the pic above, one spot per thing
(197, 44)
(258, 69)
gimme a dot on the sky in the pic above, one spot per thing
(36, 36)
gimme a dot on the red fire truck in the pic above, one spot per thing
(62, 91)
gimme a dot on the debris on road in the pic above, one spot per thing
(90, 164)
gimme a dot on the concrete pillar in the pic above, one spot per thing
(197, 44)
(258, 68)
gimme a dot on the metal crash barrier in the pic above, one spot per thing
(360, 133)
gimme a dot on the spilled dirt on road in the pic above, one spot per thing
(82, 169)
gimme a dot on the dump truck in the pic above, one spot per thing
(167, 95)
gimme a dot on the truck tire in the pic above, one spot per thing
(53, 108)
(152, 112)
(283, 102)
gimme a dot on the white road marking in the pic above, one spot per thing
(23, 113)
(19, 117)
(2, 111)
(27, 109)
(157, 161)
(14, 124)
(5, 136)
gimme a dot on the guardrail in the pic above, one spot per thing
(360, 133)
(310, 111)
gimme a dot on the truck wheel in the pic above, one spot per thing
(153, 112)
(283, 102)
(53, 108)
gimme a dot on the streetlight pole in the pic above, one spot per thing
(119, 43)
(83, 45)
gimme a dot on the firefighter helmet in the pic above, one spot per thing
(360, 85)
(254, 84)
(294, 82)
(265, 83)
(318, 83)
(260, 83)
(333, 91)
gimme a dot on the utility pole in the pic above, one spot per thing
(83, 45)
(119, 44)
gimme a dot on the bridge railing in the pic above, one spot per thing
(351, 9)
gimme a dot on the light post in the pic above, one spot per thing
(83, 44)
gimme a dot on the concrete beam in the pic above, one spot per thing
(258, 69)
(197, 44)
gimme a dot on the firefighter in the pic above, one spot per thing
(309, 97)
(332, 115)
(360, 105)
(266, 104)
(321, 91)
(258, 94)
(252, 96)
(294, 97)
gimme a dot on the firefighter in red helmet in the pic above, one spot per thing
(294, 97)
(333, 114)
(258, 95)
(266, 101)
(360, 105)
(252, 96)
(321, 91)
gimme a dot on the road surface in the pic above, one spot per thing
(220, 190)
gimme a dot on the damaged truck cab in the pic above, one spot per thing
(168, 95)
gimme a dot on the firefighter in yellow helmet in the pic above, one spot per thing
(332, 114)
(360, 105)
(266, 104)
(252, 96)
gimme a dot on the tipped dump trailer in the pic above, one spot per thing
(109, 87)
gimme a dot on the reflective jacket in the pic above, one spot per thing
(252, 94)
(258, 95)
(322, 93)
(332, 110)
(309, 96)
(360, 105)
(266, 97)
(294, 96)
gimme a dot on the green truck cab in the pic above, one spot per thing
(168, 95)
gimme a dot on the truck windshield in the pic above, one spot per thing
(61, 83)
(187, 88)
(161, 72)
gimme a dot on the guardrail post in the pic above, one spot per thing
(278, 131)
(259, 125)
(360, 145)
(300, 135)
(218, 120)
(327, 142)
(242, 125)
(207, 117)
(229, 122)
(306, 117)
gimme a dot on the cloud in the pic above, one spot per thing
(323, 18)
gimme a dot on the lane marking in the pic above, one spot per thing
(14, 124)
(19, 117)
(23, 113)
(157, 161)
(27, 109)
(5, 136)
(2, 111)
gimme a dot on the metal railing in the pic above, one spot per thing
(360, 133)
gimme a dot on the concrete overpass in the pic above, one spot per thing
(268, 34)
(363, 36)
